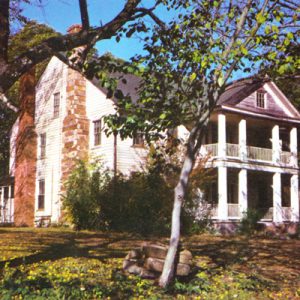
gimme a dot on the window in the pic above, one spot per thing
(41, 196)
(56, 103)
(97, 132)
(43, 145)
(138, 139)
(260, 99)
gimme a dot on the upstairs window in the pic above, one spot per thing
(260, 99)
(41, 196)
(43, 145)
(97, 132)
(56, 104)
(138, 140)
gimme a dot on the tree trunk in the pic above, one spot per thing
(179, 194)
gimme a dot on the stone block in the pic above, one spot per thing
(156, 251)
(155, 264)
(185, 257)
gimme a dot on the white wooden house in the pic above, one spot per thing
(251, 144)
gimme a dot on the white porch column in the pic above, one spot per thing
(243, 139)
(276, 144)
(243, 192)
(221, 135)
(293, 147)
(294, 198)
(277, 210)
(222, 194)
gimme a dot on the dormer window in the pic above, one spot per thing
(260, 99)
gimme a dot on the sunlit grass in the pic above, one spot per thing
(59, 263)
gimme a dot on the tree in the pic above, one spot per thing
(30, 35)
(188, 65)
(12, 69)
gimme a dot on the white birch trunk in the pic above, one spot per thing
(179, 194)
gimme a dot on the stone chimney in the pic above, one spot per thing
(26, 147)
(75, 131)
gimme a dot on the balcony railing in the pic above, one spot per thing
(232, 150)
(209, 149)
(257, 153)
(285, 157)
(252, 153)
(234, 212)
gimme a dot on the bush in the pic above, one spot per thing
(140, 203)
(249, 223)
(94, 199)
(83, 192)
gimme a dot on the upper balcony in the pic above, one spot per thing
(250, 154)
(249, 141)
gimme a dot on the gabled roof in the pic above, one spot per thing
(239, 90)
(241, 95)
(128, 84)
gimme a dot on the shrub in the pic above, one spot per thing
(83, 192)
(140, 203)
(249, 223)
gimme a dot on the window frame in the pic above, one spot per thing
(97, 131)
(43, 143)
(138, 140)
(41, 195)
(56, 104)
(261, 99)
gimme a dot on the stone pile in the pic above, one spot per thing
(148, 261)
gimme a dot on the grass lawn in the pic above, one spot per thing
(63, 264)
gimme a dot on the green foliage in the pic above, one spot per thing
(30, 35)
(95, 199)
(141, 203)
(189, 61)
(63, 264)
(249, 223)
(83, 192)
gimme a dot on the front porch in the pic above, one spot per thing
(273, 196)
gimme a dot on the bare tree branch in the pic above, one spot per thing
(9, 73)
(84, 15)
(7, 103)
(149, 12)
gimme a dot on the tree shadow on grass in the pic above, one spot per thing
(100, 246)
(270, 258)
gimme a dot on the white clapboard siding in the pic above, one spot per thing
(129, 158)
(271, 105)
(52, 81)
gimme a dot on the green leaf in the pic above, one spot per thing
(267, 29)
(244, 50)
(286, 42)
(283, 69)
(193, 76)
(163, 116)
(207, 25)
(290, 35)
(221, 80)
(260, 18)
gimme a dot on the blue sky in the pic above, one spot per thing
(61, 14)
